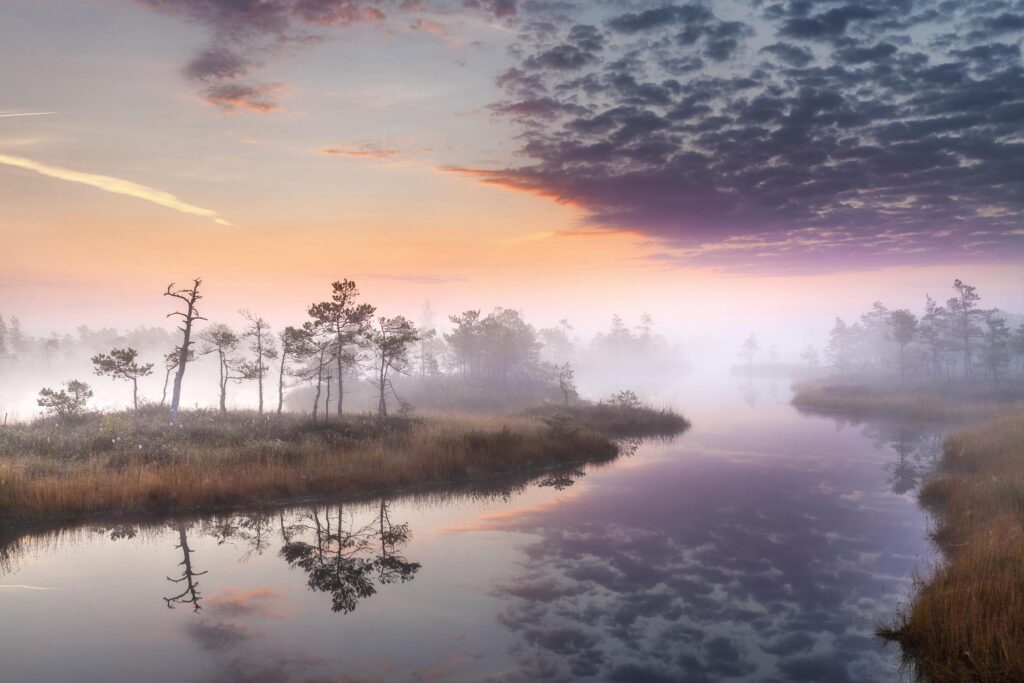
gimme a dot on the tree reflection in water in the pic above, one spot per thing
(345, 560)
(191, 594)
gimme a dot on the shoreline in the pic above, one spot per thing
(120, 465)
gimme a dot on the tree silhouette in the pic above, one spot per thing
(347, 321)
(190, 296)
(191, 594)
(122, 364)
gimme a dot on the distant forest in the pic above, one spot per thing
(341, 354)
(960, 341)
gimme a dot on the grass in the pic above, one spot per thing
(617, 420)
(863, 401)
(966, 621)
(123, 463)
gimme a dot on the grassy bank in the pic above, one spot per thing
(966, 622)
(618, 420)
(110, 464)
(861, 401)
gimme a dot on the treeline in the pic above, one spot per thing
(344, 347)
(959, 341)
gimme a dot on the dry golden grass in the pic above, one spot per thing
(863, 401)
(124, 463)
(966, 622)
(616, 419)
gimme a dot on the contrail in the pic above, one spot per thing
(23, 587)
(115, 185)
(28, 113)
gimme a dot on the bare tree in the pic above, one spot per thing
(261, 343)
(391, 339)
(223, 341)
(123, 364)
(170, 365)
(189, 317)
(347, 321)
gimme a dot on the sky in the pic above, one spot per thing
(744, 165)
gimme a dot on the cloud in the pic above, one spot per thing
(231, 97)
(361, 150)
(28, 113)
(246, 34)
(876, 126)
(114, 185)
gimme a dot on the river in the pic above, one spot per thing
(762, 545)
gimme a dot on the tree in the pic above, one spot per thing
(261, 343)
(932, 330)
(347, 321)
(223, 341)
(4, 344)
(995, 344)
(810, 357)
(391, 339)
(566, 382)
(170, 365)
(122, 364)
(190, 297)
(842, 345)
(626, 398)
(295, 344)
(1018, 344)
(903, 326)
(749, 349)
(15, 339)
(68, 402)
(964, 310)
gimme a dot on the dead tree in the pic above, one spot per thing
(189, 317)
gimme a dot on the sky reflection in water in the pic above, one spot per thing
(762, 546)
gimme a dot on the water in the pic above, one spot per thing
(763, 545)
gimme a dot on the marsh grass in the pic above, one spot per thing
(617, 420)
(862, 401)
(965, 622)
(126, 463)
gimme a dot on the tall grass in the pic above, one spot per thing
(111, 464)
(966, 621)
(912, 403)
(616, 419)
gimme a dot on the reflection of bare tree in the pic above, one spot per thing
(342, 560)
(191, 594)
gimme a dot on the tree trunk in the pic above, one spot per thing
(341, 393)
(280, 383)
(167, 380)
(135, 393)
(179, 375)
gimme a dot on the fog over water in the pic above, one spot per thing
(762, 545)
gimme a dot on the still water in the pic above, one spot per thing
(763, 545)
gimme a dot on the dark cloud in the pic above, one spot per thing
(854, 139)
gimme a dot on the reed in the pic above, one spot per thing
(126, 463)
(965, 622)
